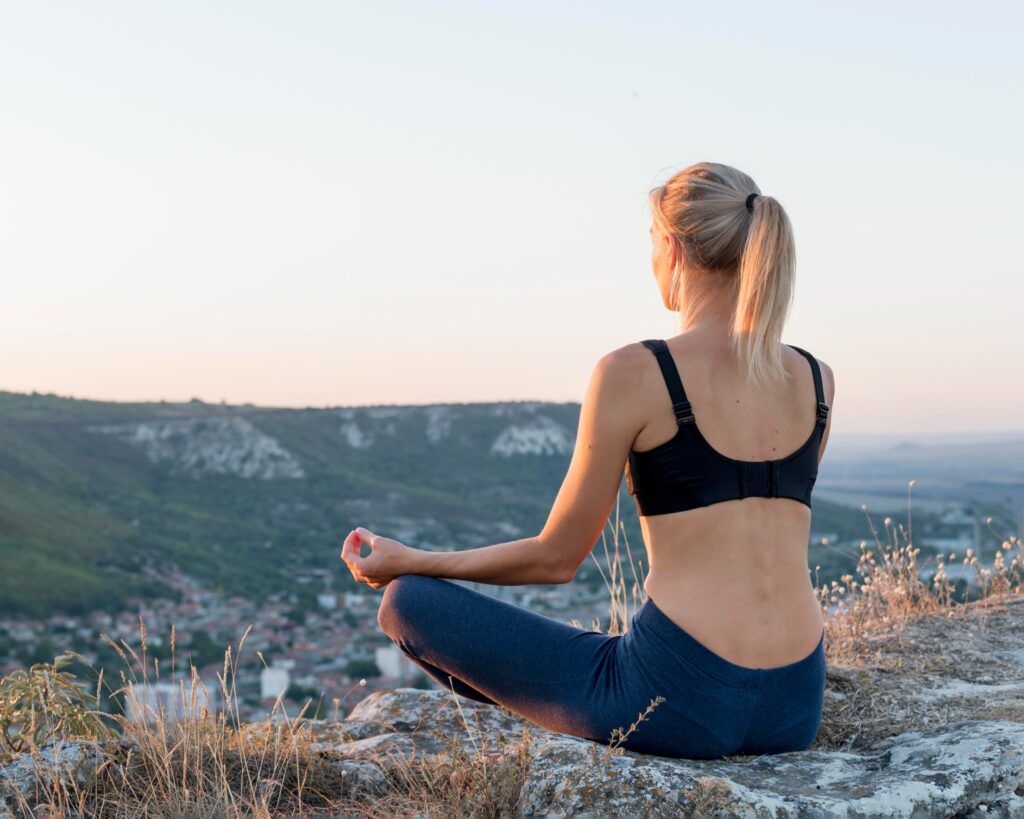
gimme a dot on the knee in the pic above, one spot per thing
(399, 602)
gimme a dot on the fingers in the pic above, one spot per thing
(366, 536)
(355, 561)
(350, 548)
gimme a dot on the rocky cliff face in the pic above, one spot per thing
(931, 725)
(210, 446)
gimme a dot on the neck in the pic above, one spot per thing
(708, 301)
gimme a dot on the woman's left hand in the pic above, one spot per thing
(387, 559)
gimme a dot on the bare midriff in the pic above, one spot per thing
(734, 575)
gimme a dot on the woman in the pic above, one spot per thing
(731, 634)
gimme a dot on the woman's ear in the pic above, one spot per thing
(674, 254)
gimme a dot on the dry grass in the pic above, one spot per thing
(864, 616)
(711, 796)
(211, 764)
(205, 763)
(622, 604)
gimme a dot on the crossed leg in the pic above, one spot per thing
(448, 680)
(560, 677)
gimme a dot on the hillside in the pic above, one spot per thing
(246, 498)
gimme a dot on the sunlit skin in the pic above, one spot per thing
(734, 574)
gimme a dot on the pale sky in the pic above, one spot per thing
(349, 203)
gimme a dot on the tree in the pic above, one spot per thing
(41, 652)
(362, 668)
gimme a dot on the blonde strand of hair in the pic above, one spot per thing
(766, 286)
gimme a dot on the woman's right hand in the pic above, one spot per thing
(387, 560)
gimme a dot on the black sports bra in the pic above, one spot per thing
(686, 472)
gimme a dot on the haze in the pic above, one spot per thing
(362, 203)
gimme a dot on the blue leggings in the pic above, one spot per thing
(586, 683)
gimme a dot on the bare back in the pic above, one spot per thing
(735, 574)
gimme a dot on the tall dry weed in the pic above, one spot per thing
(890, 587)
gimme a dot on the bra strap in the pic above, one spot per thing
(680, 406)
(819, 392)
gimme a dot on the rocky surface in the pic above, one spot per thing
(931, 726)
(25, 776)
(957, 768)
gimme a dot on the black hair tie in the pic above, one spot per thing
(750, 201)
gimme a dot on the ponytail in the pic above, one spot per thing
(766, 284)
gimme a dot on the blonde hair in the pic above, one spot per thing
(704, 209)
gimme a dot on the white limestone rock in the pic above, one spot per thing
(438, 423)
(355, 436)
(362, 426)
(229, 445)
(538, 435)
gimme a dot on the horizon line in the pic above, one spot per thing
(989, 432)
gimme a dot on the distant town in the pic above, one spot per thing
(333, 656)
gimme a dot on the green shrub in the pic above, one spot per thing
(362, 668)
(43, 702)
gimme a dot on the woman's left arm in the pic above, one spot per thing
(515, 563)
(607, 428)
